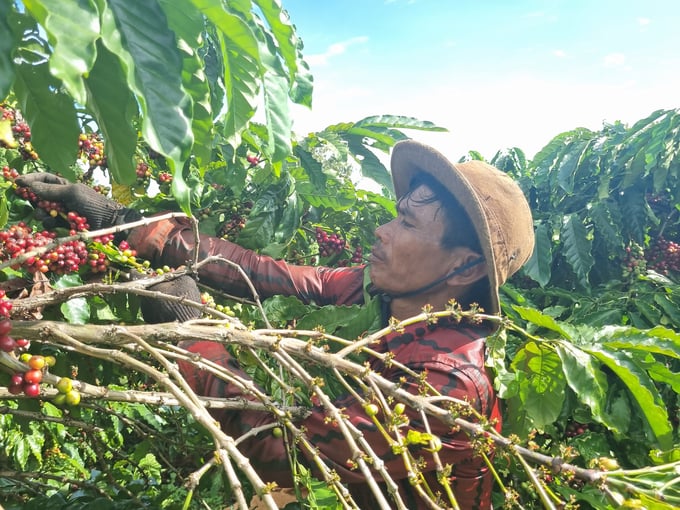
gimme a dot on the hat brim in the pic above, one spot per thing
(410, 158)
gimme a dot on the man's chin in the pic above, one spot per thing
(374, 274)
(378, 286)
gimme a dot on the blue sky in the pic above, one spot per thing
(496, 73)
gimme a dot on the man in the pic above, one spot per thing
(460, 232)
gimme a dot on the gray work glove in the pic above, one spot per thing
(101, 212)
(156, 311)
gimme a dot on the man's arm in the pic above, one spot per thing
(172, 242)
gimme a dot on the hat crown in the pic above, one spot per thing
(507, 215)
(493, 201)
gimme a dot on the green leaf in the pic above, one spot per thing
(148, 49)
(619, 409)
(311, 167)
(632, 159)
(76, 310)
(259, 229)
(101, 311)
(195, 82)
(276, 104)
(242, 75)
(545, 321)
(6, 135)
(547, 159)
(72, 29)
(385, 203)
(51, 410)
(419, 438)
(577, 247)
(6, 49)
(399, 122)
(51, 115)
(568, 162)
(384, 137)
(22, 452)
(635, 210)
(662, 374)
(188, 24)
(333, 197)
(242, 87)
(233, 27)
(331, 317)
(645, 305)
(114, 107)
(365, 320)
(668, 307)
(34, 443)
(4, 210)
(185, 20)
(290, 220)
(301, 91)
(371, 167)
(283, 32)
(607, 218)
(538, 267)
(150, 466)
(542, 383)
(495, 356)
(282, 309)
(658, 340)
(642, 390)
(511, 161)
(585, 378)
(137, 32)
(592, 445)
(653, 503)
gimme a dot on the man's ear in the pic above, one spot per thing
(463, 256)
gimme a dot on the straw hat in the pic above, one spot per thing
(494, 202)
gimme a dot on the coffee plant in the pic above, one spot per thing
(585, 360)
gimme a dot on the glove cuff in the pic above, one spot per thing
(156, 311)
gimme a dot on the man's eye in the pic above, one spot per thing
(405, 223)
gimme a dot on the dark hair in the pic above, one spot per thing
(458, 229)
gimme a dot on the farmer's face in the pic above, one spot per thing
(407, 253)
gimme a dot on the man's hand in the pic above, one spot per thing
(156, 311)
(101, 212)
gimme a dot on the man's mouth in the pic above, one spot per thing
(375, 256)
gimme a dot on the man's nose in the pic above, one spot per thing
(382, 231)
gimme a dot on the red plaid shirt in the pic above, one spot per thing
(452, 355)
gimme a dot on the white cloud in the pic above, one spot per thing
(614, 60)
(333, 50)
(644, 21)
(560, 53)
